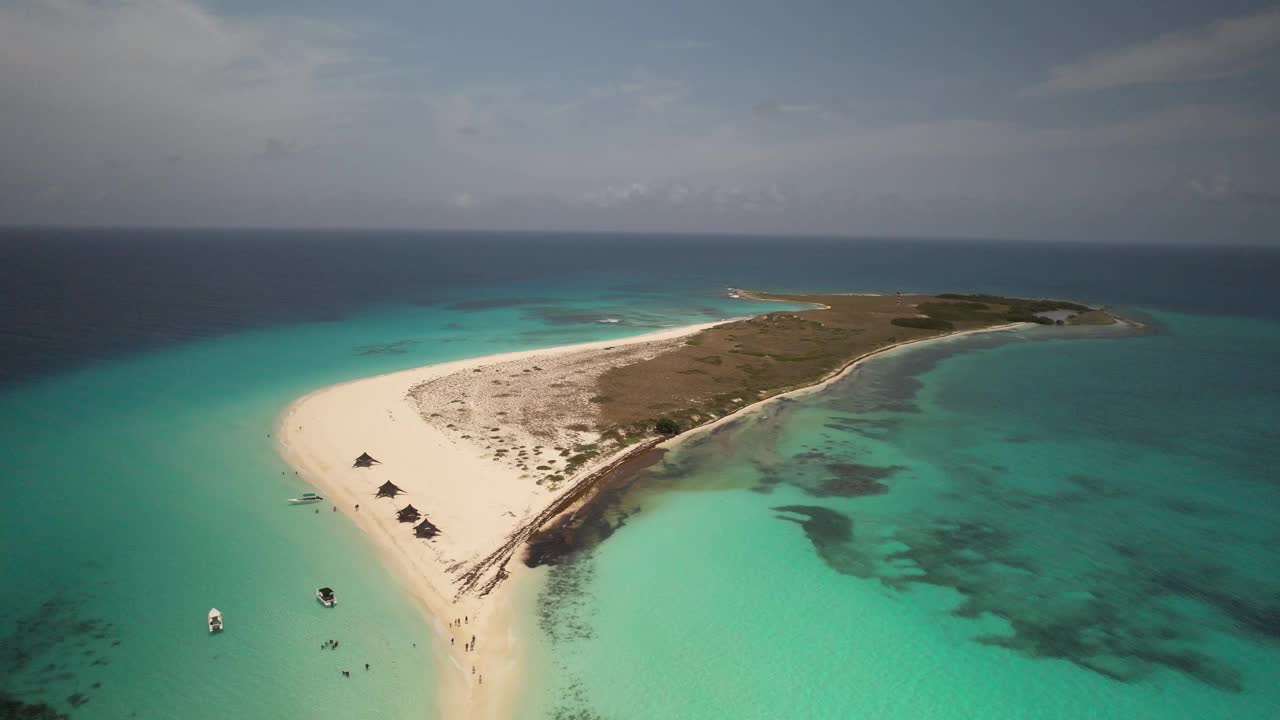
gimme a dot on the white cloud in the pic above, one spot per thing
(614, 195)
(727, 155)
(1224, 47)
(143, 78)
(1222, 189)
(163, 111)
(1215, 188)
(677, 195)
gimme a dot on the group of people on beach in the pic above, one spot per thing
(459, 622)
(466, 646)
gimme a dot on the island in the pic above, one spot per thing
(453, 469)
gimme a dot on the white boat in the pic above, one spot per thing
(326, 597)
(215, 620)
(305, 499)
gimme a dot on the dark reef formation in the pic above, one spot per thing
(12, 708)
(55, 646)
(399, 347)
(1125, 607)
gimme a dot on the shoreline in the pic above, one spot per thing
(834, 376)
(601, 484)
(422, 568)
(322, 459)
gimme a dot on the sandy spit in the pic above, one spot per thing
(410, 422)
(456, 482)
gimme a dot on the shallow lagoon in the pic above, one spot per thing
(1052, 524)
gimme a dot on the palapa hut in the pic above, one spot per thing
(365, 460)
(426, 529)
(388, 489)
(408, 514)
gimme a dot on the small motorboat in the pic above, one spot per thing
(305, 499)
(326, 597)
(215, 620)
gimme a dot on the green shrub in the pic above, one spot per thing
(1030, 306)
(1019, 314)
(959, 312)
(666, 426)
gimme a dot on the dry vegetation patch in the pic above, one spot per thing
(729, 366)
(556, 417)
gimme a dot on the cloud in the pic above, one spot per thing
(728, 154)
(676, 195)
(615, 195)
(1222, 189)
(1224, 47)
(1213, 188)
(164, 77)
(163, 111)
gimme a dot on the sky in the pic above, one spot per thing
(1151, 121)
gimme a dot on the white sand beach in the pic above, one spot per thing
(437, 445)
(470, 443)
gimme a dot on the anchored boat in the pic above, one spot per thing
(305, 499)
(215, 620)
(326, 597)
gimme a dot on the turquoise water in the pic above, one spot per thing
(1054, 524)
(1045, 528)
(143, 490)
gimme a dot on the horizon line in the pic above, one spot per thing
(6, 227)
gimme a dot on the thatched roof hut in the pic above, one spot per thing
(365, 460)
(426, 529)
(388, 489)
(408, 514)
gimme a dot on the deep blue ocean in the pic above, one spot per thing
(1066, 525)
(69, 297)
